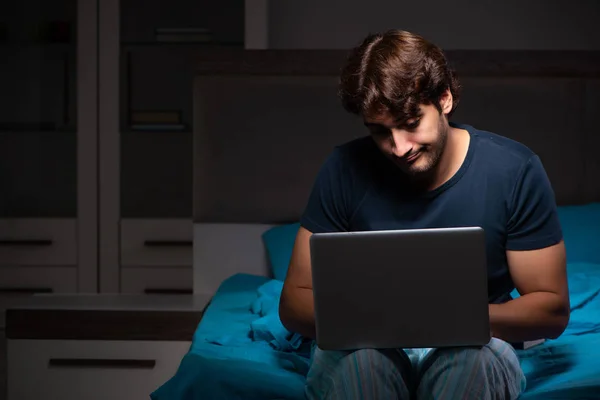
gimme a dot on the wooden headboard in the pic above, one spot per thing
(264, 121)
(264, 124)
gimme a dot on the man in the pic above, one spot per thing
(418, 170)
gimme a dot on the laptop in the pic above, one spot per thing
(418, 288)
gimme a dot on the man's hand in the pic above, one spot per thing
(543, 309)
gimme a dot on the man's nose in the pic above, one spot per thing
(401, 145)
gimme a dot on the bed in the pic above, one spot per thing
(249, 190)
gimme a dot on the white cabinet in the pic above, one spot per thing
(48, 212)
(96, 152)
(90, 370)
(88, 347)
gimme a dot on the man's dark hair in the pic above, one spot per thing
(394, 72)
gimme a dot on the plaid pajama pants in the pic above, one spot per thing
(482, 373)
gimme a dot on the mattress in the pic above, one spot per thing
(228, 361)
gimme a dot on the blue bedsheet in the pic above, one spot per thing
(241, 351)
(566, 368)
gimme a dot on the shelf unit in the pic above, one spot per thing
(87, 182)
(145, 138)
(48, 132)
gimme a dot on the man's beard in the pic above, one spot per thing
(429, 160)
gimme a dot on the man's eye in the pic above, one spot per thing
(413, 124)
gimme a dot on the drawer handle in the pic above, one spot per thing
(100, 363)
(168, 243)
(25, 242)
(168, 291)
(25, 290)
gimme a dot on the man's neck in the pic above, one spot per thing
(457, 146)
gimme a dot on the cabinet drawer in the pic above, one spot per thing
(26, 241)
(154, 280)
(40, 279)
(158, 242)
(16, 282)
(91, 370)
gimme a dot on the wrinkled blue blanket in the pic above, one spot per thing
(241, 351)
(267, 327)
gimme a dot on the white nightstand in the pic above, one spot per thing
(92, 347)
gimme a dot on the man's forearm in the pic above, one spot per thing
(529, 317)
(296, 311)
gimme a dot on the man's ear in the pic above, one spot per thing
(446, 101)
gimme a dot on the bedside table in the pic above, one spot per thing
(92, 347)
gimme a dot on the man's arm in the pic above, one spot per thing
(329, 205)
(542, 310)
(296, 305)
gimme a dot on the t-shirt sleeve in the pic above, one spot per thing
(533, 219)
(327, 209)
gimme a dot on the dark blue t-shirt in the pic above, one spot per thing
(501, 187)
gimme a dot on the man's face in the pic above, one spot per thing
(416, 145)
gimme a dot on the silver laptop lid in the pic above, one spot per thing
(404, 288)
